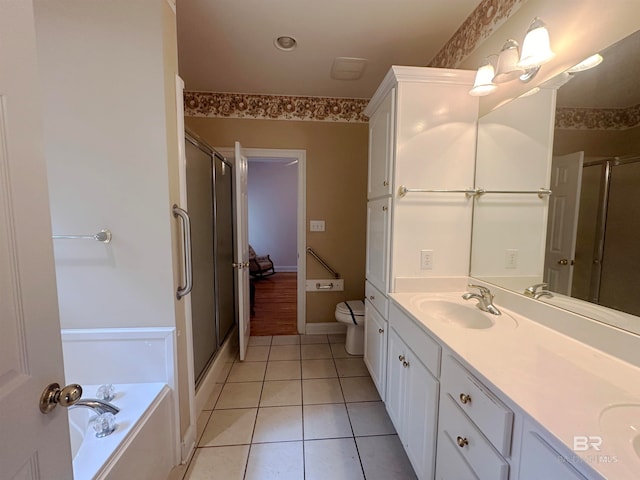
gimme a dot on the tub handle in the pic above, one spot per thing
(186, 241)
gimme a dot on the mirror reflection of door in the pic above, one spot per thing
(566, 178)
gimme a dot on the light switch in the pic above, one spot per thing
(316, 225)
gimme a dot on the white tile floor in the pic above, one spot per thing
(299, 408)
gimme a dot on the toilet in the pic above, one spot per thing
(351, 313)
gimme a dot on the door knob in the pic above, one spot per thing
(53, 395)
(564, 261)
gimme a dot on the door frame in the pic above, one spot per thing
(301, 157)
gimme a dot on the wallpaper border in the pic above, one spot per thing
(571, 118)
(274, 107)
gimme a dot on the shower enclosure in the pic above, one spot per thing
(607, 254)
(210, 205)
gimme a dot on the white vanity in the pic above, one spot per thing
(474, 395)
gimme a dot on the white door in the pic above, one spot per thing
(242, 248)
(32, 445)
(562, 226)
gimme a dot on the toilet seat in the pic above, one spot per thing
(353, 309)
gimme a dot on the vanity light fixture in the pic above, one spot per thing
(507, 68)
(512, 65)
(483, 84)
(587, 63)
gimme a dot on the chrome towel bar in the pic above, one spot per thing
(103, 236)
(473, 192)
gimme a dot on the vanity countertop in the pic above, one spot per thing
(561, 383)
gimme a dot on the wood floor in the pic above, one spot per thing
(275, 310)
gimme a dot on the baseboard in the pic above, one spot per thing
(320, 328)
(188, 444)
(284, 268)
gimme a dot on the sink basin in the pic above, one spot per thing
(453, 310)
(621, 425)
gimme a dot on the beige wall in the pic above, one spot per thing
(336, 191)
(597, 143)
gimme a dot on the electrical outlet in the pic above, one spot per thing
(426, 259)
(511, 259)
(316, 225)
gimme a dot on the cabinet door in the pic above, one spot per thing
(540, 460)
(378, 223)
(375, 346)
(420, 412)
(381, 140)
(396, 381)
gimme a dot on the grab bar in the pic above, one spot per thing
(103, 236)
(186, 241)
(323, 263)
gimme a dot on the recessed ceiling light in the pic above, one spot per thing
(285, 43)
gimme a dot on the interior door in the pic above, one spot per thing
(32, 445)
(566, 179)
(242, 249)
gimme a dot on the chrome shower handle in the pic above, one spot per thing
(186, 241)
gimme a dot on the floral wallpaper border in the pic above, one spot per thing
(570, 118)
(274, 107)
(488, 16)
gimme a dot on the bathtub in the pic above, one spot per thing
(141, 447)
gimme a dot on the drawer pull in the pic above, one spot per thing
(405, 364)
(462, 442)
(464, 398)
(381, 330)
(401, 358)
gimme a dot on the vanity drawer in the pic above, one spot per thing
(424, 347)
(477, 451)
(493, 418)
(378, 299)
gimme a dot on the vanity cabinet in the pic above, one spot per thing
(540, 460)
(375, 337)
(475, 423)
(412, 393)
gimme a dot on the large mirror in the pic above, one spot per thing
(582, 239)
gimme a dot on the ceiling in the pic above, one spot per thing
(612, 84)
(228, 45)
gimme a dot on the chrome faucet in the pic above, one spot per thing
(98, 406)
(485, 299)
(538, 290)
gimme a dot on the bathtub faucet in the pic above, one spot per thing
(98, 406)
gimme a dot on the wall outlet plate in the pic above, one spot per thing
(426, 259)
(511, 259)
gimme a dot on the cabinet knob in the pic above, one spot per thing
(381, 330)
(401, 358)
(462, 442)
(384, 208)
(464, 398)
(371, 297)
(405, 364)
(385, 183)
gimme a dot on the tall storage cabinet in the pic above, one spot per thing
(422, 135)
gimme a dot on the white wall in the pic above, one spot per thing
(105, 125)
(273, 197)
(514, 153)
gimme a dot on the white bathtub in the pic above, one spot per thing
(141, 447)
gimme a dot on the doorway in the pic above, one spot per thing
(281, 295)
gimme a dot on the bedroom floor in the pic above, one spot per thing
(299, 408)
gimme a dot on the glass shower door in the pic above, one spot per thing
(200, 206)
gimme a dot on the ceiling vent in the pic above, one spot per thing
(348, 68)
